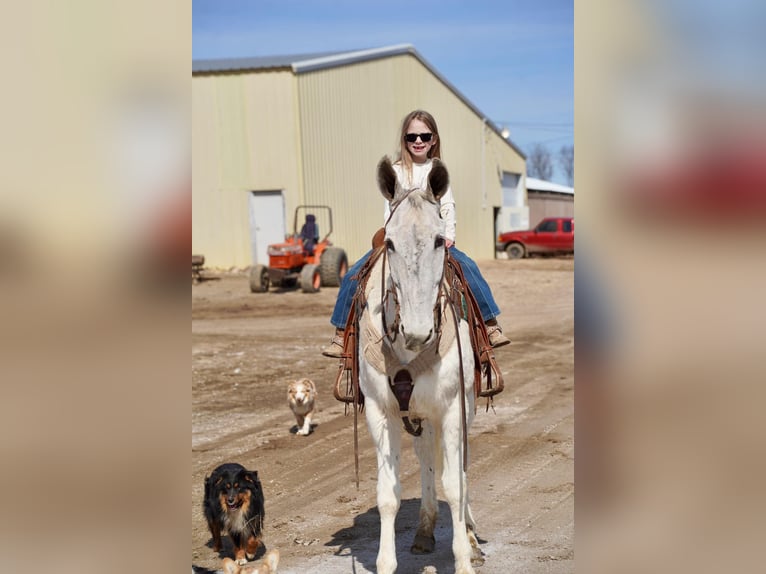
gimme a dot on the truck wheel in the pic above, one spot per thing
(259, 279)
(310, 279)
(333, 266)
(515, 251)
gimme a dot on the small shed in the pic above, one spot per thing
(548, 199)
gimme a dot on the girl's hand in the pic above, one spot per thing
(448, 243)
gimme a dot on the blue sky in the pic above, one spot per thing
(513, 59)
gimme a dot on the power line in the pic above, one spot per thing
(552, 140)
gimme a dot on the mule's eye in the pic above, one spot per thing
(439, 242)
(390, 245)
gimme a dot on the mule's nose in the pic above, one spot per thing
(415, 342)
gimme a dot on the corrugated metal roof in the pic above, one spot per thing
(256, 63)
(535, 184)
(302, 63)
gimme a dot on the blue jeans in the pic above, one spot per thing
(476, 282)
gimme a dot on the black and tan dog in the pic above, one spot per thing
(234, 504)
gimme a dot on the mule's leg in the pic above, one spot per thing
(425, 447)
(477, 556)
(386, 435)
(456, 489)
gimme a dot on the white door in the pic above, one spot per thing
(267, 223)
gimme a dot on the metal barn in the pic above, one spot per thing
(272, 133)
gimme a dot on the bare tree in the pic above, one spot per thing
(539, 162)
(566, 161)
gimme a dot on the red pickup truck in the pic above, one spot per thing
(551, 235)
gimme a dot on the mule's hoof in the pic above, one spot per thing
(423, 544)
(477, 556)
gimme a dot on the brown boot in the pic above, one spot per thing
(335, 348)
(495, 333)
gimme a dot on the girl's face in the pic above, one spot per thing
(419, 149)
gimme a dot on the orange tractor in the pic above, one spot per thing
(303, 258)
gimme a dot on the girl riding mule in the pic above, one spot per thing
(419, 144)
(416, 363)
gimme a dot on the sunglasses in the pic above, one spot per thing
(412, 138)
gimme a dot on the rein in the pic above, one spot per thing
(402, 382)
(389, 332)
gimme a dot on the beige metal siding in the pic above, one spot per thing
(245, 139)
(549, 205)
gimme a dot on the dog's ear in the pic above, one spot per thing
(251, 476)
(230, 567)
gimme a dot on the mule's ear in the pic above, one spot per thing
(438, 178)
(386, 178)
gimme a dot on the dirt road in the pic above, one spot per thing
(245, 349)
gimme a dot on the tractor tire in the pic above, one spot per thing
(515, 251)
(259, 279)
(310, 279)
(333, 266)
